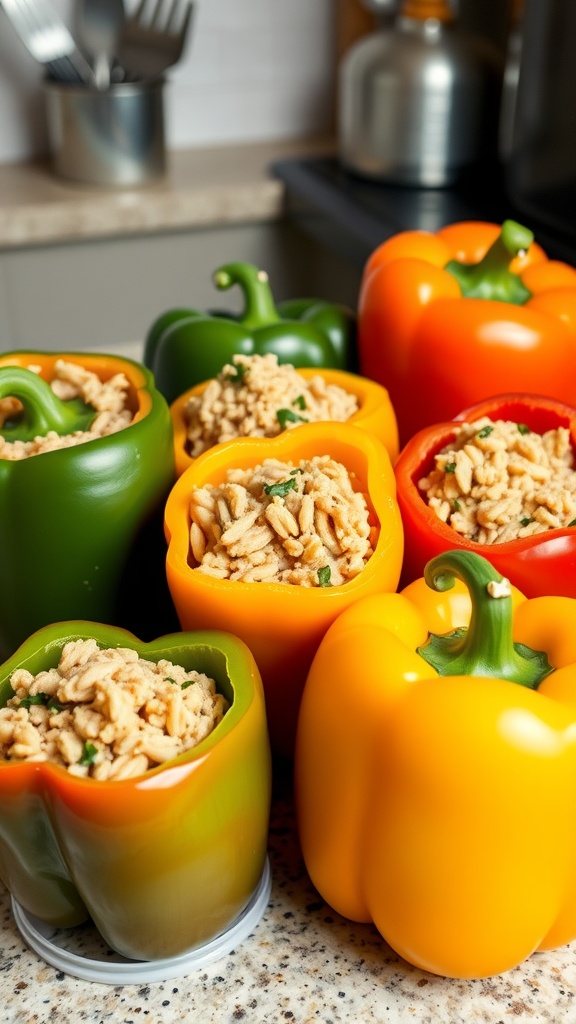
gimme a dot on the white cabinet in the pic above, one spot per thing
(102, 293)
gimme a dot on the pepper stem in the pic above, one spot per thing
(260, 309)
(492, 278)
(42, 410)
(486, 648)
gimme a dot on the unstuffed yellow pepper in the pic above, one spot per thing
(435, 769)
(282, 623)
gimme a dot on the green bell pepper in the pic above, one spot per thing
(161, 862)
(185, 347)
(80, 525)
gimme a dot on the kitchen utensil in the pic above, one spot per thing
(417, 99)
(98, 24)
(148, 44)
(48, 39)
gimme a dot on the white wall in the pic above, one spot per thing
(253, 70)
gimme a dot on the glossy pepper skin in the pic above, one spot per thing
(283, 624)
(162, 862)
(71, 520)
(540, 565)
(443, 809)
(185, 347)
(449, 319)
(375, 412)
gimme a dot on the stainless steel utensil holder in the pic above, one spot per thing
(107, 137)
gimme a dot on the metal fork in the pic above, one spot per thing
(47, 38)
(149, 43)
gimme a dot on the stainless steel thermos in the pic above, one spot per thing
(418, 98)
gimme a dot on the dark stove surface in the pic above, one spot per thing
(352, 216)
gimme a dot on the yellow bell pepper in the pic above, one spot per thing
(375, 412)
(435, 769)
(283, 624)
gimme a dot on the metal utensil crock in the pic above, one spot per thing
(107, 137)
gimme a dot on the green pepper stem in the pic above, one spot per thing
(42, 410)
(486, 648)
(492, 278)
(260, 309)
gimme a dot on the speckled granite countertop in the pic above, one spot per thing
(302, 964)
(225, 184)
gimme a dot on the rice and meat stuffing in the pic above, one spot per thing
(498, 481)
(301, 524)
(255, 396)
(107, 714)
(108, 398)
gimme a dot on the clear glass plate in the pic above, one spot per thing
(82, 952)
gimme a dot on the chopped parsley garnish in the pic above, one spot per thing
(297, 470)
(88, 755)
(168, 679)
(324, 576)
(455, 505)
(34, 698)
(281, 489)
(187, 683)
(285, 416)
(526, 521)
(300, 402)
(522, 428)
(450, 467)
(486, 431)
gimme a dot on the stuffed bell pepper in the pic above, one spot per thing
(435, 769)
(184, 347)
(499, 480)
(272, 538)
(256, 396)
(86, 463)
(134, 784)
(449, 319)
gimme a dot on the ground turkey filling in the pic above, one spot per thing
(255, 396)
(107, 713)
(498, 481)
(108, 398)
(301, 524)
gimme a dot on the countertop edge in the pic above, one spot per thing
(202, 187)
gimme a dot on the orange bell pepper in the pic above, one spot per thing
(283, 624)
(448, 319)
(375, 412)
(435, 775)
(540, 564)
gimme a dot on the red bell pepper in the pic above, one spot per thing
(538, 565)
